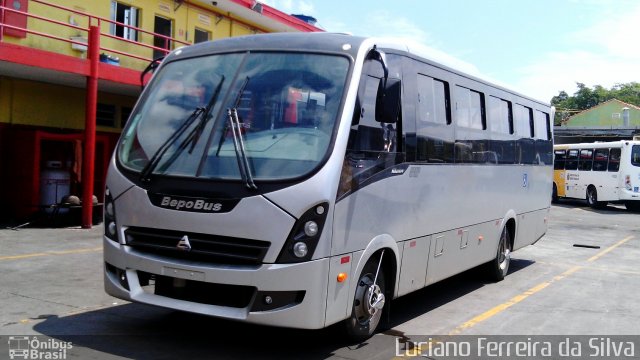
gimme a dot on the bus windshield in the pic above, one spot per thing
(285, 107)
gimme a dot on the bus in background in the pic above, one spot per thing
(301, 180)
(601, 173)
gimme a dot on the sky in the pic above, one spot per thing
(537, 47)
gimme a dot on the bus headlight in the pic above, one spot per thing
(300, 249)
(311, 228)
(110, 228)
(304, 236)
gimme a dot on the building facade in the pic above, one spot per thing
(609, 121)
(70, 73)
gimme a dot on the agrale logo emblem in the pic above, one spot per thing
(184, 244)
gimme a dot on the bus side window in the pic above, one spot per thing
(600, 160)
(586, 160)
(572, 160)
(559, 160)
(614, 160)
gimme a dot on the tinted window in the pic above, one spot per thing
(524, 121)
(586, 160)
(559, 159)
(470, 108)
(501, 115)
(601, 157)
(542, 125)
(635, 155)
(433, 104)
(572, 160)
(614, 160)
(434, 135)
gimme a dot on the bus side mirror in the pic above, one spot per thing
(388, 100)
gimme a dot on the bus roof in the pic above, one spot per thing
(596, 145)
(341, 43)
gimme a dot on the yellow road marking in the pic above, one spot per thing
(518, 298)
(50, 253)
(607, 250)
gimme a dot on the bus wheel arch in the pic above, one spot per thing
(511, 228)
(364, 318)
(498, 267)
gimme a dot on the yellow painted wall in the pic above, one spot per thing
(185, 19)
(57, 106)
(5, 100)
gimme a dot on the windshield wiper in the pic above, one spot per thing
(155, 159)
(192, 138)
(238, 142)
(238, 145)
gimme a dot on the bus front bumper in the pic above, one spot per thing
(288, 295)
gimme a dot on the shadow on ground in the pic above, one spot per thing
(147, 332)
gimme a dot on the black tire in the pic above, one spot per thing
(554, 194)
(364, 319)
(632, 206)
(499, 267)
(592, 198)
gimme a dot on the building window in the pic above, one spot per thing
(106, 115)
(127, 15)
(201, 36)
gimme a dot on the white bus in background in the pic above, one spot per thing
(301, 180)
(601, 173)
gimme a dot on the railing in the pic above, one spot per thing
(91, 20)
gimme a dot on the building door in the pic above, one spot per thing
(162, 26)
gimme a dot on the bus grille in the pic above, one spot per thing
(204, 247)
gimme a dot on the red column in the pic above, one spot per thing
(88, 158)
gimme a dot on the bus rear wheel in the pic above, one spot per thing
(369, 301)
(632, 206)
(499, 267)
(592, 198)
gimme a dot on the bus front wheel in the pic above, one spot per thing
(369, 301)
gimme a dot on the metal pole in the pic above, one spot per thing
(88, 159)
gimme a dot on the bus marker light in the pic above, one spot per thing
(345, 259)
(412, 244)
(342, 277)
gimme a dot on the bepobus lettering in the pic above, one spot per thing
(178, 204)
